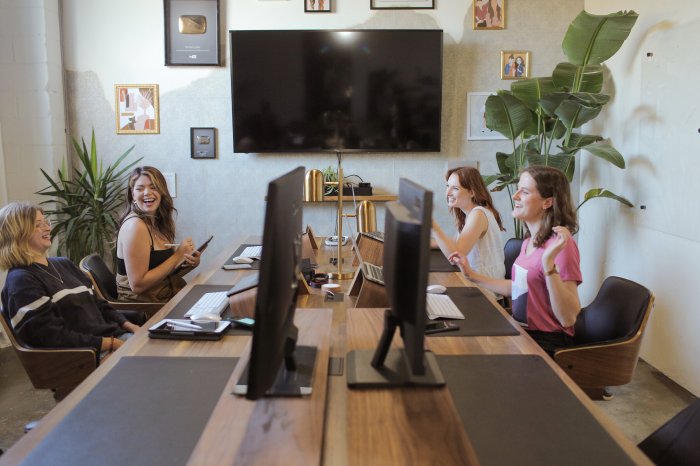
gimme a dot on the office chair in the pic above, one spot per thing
(511, 251)
(105, 284)
(608, 336)
(59, 369)
(677, 442)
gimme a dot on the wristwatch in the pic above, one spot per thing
(551, 271)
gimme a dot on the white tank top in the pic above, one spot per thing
(486, 257)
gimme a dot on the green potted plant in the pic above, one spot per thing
(330, 175)
(85, 206)
(541, 115)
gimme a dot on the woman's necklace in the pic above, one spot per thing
(57, 276)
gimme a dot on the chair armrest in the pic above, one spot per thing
(57, 367)
(147, 308)
(133, 316)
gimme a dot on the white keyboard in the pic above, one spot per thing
(441, 306)
(210, 303)
(373, 273)
(252, 251)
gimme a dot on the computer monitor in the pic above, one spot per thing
(406, 264)
(277, 366)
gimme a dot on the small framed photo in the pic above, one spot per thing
(489, 14)
(137, 108)
(401, 4)
(192, 32)
(203, 143)
(317, 6)
(476, 118)
(515, 64)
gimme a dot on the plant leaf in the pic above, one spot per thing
(595, 38)
(578, 78)
(606, 152)
(507, 115)
(530, 91)
(604, 193)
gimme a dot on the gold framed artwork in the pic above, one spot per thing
(489, 14)
(317, 6)
(137, 108)
(515, 64)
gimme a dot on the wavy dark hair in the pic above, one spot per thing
(163, 222)
(470, 178)
(552, 182)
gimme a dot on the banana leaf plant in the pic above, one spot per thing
(542, 116)
(84, 208)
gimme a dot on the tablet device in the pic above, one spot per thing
(185, 329)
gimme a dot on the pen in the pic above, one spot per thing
(183, 324)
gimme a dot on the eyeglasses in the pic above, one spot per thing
(43, 223)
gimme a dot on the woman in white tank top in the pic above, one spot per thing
(478, 223)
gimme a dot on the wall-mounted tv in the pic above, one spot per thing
(325, 91)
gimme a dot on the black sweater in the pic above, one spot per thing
(46, 312)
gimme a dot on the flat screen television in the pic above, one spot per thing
(406, 265)
(277, 366)
(330, 90)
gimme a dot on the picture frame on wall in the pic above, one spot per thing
(476, 118)
(192, 33)
(489, 14)
(137, 108)
(515, 64)
(401, 4)
(203, 143)
(318, 6)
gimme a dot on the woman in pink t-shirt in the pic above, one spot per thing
(546, 274)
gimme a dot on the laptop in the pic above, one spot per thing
(371, 272)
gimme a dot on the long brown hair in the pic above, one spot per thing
(552, 182)
(470, 178)
(163, 222)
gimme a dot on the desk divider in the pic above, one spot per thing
(164, 404)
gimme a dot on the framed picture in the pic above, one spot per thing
(401, 4)
(192, 32)
(136, 108)
(515, 64)
(476, 118)
(489, 14)
(317, 6)
(203, 143)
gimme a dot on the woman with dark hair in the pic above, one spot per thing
(546, 274)
(477, 220)
(147, 262)
(49, 302)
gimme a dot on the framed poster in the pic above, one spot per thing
(401, 4)
(515, 64)
(317, 6)
(489, 14)
(203, 143)
(476, 118)
(137, 108)
(192, 32)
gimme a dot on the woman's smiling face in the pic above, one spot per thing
(145, 194)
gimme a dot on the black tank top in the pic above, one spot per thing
(155, 258)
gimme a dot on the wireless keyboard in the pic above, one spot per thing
(373, 273)
(210, 303)
(252, 251)
(441, 306)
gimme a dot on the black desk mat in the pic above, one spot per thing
(143, 412)
(516, 410)
(481, 318)
(256, 263)
(439, 263)
(178, 312)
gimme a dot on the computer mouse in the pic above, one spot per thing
(436, 289)
(206, 318)
(242, 260)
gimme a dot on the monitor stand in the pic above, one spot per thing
(386, 368)
(296, 382)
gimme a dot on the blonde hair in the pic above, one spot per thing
(17, 221)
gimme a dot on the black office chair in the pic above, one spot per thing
(608, 336)
(677, 442)
(511, 252)
(105, 283)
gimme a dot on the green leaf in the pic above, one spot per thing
(531, 91)
(595, 38)
(606, 152)
(578, 140)
(603, 193)
(507, 115)
(578, 78)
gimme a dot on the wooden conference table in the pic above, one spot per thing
(335, 425)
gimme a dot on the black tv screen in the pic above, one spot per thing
(323, 91)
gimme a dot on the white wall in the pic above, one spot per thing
(653, 121)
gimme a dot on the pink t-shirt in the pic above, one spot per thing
(529, 292)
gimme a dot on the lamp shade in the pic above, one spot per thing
(313, 186)
(366, 217)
